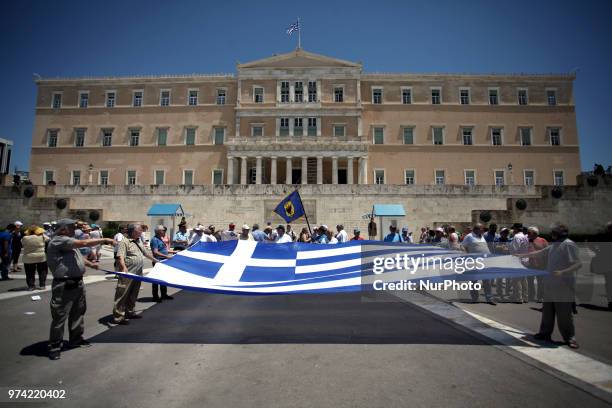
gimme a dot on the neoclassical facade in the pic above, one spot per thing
(304, 118)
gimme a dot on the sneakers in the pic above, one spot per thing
(54, 355)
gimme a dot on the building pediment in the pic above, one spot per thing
(299, 59)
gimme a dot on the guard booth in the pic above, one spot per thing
(168, 215)
(387, 214)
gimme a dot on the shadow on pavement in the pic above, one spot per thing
(349, 318)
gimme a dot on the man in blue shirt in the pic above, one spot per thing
(181, 238)
(393, 235)
(258, 235)
(160, 252)
(6, 238)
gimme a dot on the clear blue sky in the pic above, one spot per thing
(70, 38)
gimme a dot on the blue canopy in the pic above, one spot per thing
(389, 210)
(166, 210)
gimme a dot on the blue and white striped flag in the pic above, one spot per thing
(293, 27)
(250, 267)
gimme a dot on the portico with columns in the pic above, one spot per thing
(341, 163)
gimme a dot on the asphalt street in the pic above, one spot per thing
(213, 350)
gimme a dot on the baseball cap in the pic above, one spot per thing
(231, 224)
(246, 227)
(160, 228)
(356, 230)
(18, 223)
(439, 229)
(405, 229)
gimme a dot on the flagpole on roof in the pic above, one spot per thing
(299, 34)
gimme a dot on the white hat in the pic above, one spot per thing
(439, 229)
(534, 229)
(246, 227)
(18, 223)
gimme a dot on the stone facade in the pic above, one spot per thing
(303, 118)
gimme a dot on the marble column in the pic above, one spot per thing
(349, 170)
(319, 170)
(258, 170)
(304, 170)
(243, 170)
(273, 170)
(334, 170)
(289, 171)
(363, 170)
(230, 170)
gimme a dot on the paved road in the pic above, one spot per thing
(231, 351)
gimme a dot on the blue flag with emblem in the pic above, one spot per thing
(291, 207)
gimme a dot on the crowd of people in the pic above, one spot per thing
(65, 247)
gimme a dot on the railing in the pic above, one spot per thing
(261, 140)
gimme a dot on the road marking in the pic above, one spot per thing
(578, 366)
(87, 280)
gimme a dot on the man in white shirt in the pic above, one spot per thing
(341, 236)
(282, 237)
(474, 242)
(229, 234)
(208, 236)
(519, 245)
(118, 237)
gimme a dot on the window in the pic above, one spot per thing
(221, 96)
(284, 91)
(76, 177)
(522, 97)
(298, 92)
(440, 177)
(190, 135)
(436, 96)
(217, 177)
(406, 96)
(164, 97)
(192, 97)
(83, 99)
(107, 137)
(525, 136)
(551, 97)
(103, 180)
(438, 135)
(49, 176)
(188, 177)
(339, 130)
(408, 135)
(409, 176)
(284, 127)
(131, 177)
(219, 135)
(499, 178)
(377, 95)
(470, 177)
(379, 135)
(79, 137)
(162, 136)
(493, 96)
(258, 94)
(312, 91)
(338, 94)
(52, 137)
(312, 126)
(257, 131)
(110, 99)
(558, 178)
(298, 127)
(467, 136)
(379, 176)
(496, 136)
(160, 177)
(134, 137)
(57, 100)
(464, 96)
(137, 98)
(529, 177)
(554, 136)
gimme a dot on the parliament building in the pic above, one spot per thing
(304, 118)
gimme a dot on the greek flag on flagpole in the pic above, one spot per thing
(293, 27)
(250, 267)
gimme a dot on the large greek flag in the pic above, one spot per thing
(249, 267)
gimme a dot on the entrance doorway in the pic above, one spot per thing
(342, 176)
